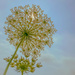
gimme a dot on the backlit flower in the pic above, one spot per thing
(30, 29)
(30, 25)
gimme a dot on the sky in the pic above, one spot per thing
(60, 58)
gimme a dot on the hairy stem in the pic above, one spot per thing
(12, 57)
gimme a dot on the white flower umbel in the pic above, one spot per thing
(24, 64)
(27, 28)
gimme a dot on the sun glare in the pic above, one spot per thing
(32, 17)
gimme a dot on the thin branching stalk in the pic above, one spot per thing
(12, 57)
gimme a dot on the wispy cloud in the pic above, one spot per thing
(63, 66)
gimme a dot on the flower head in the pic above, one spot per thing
(23, 64)
(32, 25)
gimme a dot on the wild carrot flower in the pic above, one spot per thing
(24, 65)
(31, 25)
(28, 28)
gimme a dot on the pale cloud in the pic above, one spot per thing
(67, 66)
(54, 66)
(47, 58)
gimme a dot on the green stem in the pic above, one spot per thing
(22, 72)
(12, 57)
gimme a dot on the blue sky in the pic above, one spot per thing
(60, 58)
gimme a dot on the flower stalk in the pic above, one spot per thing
(12, 57)
(22, 72)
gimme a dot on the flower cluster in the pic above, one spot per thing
(30, 29)
(30, 25)
(24, 64)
